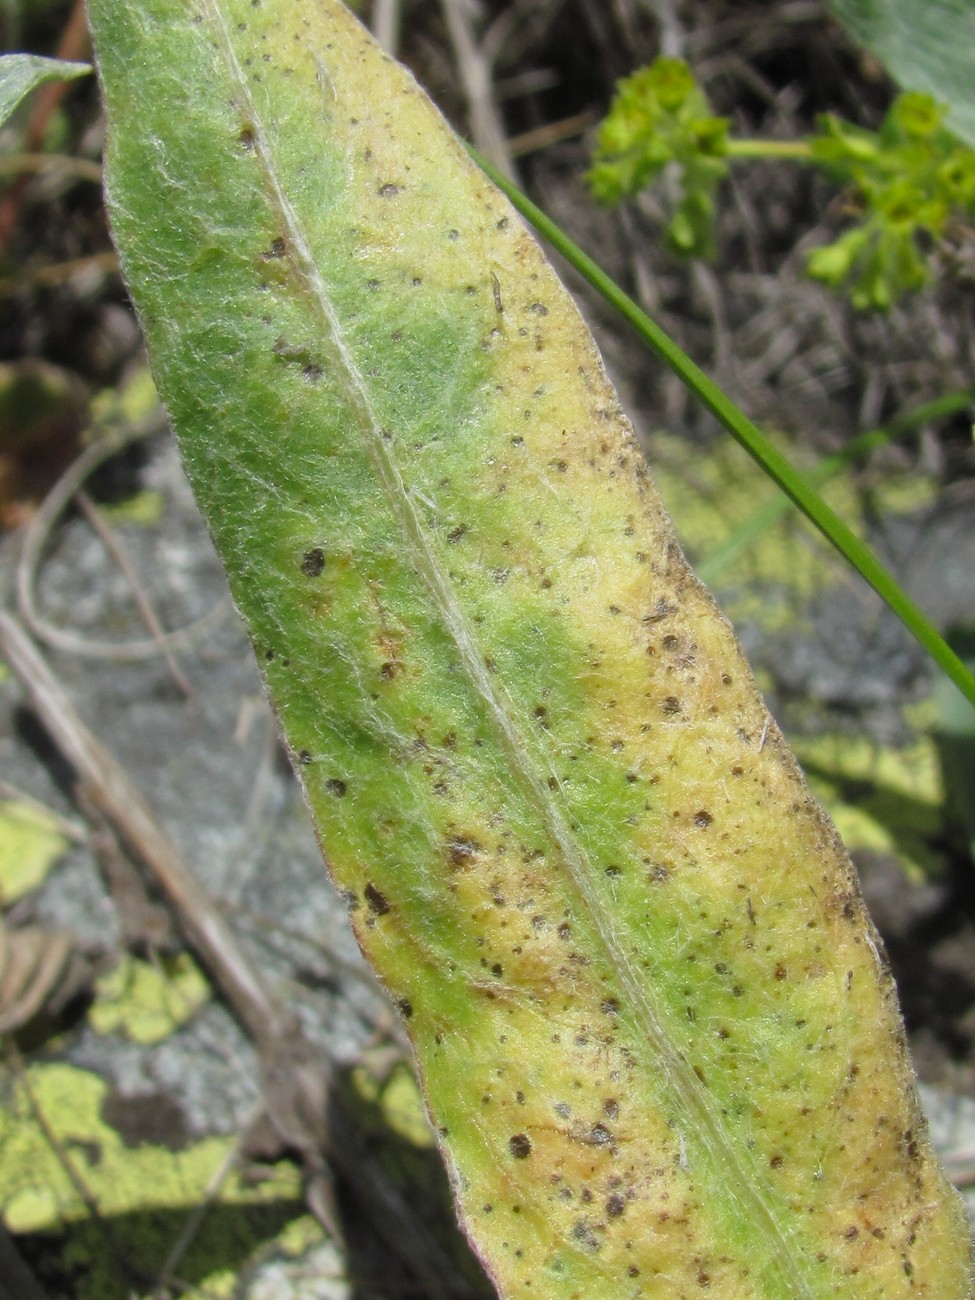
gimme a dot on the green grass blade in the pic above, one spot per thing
(856, 552)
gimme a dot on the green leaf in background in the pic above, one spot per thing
(656, 1038)
(22, 73)
(925, 44)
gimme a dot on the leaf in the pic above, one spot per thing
(656, 1037)
(925, 47)
(22, 73)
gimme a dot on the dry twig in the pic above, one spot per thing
(35, 540)
(475, 74)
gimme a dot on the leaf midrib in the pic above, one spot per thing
(742, 1182)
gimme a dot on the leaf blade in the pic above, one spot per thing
(471, 612)
(925, 47)
(22, 73)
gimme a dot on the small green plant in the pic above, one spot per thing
(906, 182)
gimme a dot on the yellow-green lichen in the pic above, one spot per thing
(137, 399)
(148, 1001)
(716, 493)
(399, 1101)
(30, 844)
(882, 799)
(143, 1192)
(144, 509)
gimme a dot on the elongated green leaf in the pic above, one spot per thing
(22, 73)
(925, 44)
(656, 1037)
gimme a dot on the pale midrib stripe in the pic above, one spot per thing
(742, 1182)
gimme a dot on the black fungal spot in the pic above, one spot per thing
(670, 705)
(564, 930)
(312, 373)
(599, 1136)
(453, 235)
(457, 533)
(246, 140)
(304, 758)
(520, 1146)
(337, 787)
(582, 1232)
(461, 850)
(388, 191)
(611, 1108)
(378, 904)
(615, 1205)
(313, 562)
(539, 309)
(405, 1007)
(610, 1006)
(275, 250)
(703, 819)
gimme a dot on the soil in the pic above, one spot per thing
(796, 357)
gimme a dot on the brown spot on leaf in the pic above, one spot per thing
(584, 1233)
(378, 904)
(313, 562)
(520, 1146)
(461, 850)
